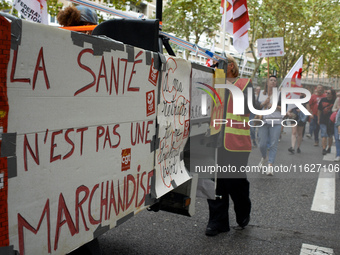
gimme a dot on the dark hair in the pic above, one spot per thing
(69, 17)
(333, 93)
(266, 85)
(77, 16)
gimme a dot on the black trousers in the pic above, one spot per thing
(234, 185)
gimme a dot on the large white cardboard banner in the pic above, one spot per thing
(174, 121)
(84, 113)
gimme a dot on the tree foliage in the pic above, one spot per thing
(192, 18)
(309, 28)
(121, 4)
(5, 6)
(54, 7)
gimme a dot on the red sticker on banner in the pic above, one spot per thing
(186, 128)
(126, 159)
(153, 75)
(150, 103)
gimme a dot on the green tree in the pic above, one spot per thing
(54, 7)
(309, 28)
(121, 4)
(5, 6)
(192, 18)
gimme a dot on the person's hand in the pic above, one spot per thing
(266, 102)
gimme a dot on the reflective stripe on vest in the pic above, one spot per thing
(237, 130)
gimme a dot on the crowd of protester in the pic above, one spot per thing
(323, 122)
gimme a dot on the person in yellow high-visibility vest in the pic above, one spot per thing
(232, 156)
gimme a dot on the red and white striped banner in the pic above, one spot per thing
(237, 23)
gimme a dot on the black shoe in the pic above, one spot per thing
(291, 150)
(328, 150)
(245, 222)
(324, 152)
(298, 150)
(214, 231)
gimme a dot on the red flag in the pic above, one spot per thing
(237, 23)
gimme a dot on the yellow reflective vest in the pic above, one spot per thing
(237, 129)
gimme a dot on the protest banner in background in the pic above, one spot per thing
(32, 10)
(270, 47)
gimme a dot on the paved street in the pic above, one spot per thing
(291, 214)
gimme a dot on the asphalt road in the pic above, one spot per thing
(282, 221)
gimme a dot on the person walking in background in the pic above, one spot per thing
(253, 131)
(269, 133)
(257, 91)
(335, 110)
(310, 120)
(297, 130)
(313, 104)
(326, 126)
(252, 115)
(336, 105)
(233, 150)
(337, 135)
